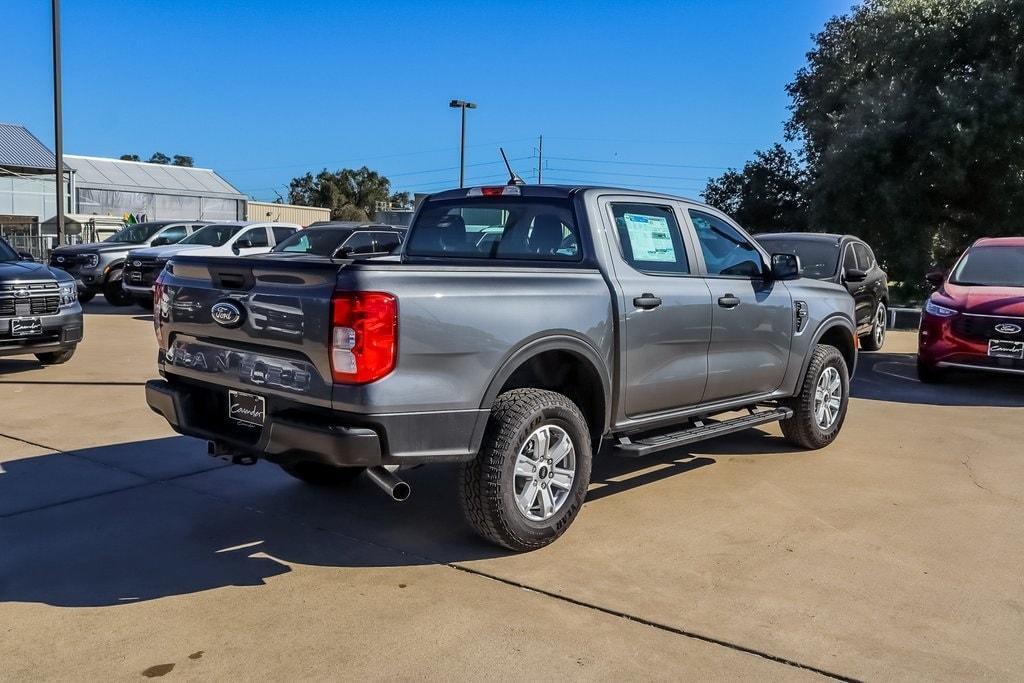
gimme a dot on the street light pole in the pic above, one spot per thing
(463, 105)
(58, 123)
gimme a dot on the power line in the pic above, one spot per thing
(576, 181)
(625, 175)
(638, 163)
(656, 142)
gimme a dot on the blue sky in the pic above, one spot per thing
(655, 95)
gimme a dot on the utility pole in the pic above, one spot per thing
(463, 105)
(540, 161)
(58, 123)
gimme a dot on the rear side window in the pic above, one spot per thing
(498, 228)
(650, 238)
(281, 234)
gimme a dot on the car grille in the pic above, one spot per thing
(144, 274)
(71, 262)
(33, 298)
(984, 327)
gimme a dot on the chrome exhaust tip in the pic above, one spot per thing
(389, 483)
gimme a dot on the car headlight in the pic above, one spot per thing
(91, 260)
(68, 293)
(933, 308)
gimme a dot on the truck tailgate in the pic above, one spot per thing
(257, 324)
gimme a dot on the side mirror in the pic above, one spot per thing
(786, 267)
(242, 244)
(25, 256)
(855, 275)
(159, 242)
(935, 278)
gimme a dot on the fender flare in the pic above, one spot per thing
(536, 345)
(831, 322)
(116, 264)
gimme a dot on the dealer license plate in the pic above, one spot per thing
(247, 408)
(134, 276)
(1001, 348)
(26, 327)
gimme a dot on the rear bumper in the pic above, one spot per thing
(301, 433)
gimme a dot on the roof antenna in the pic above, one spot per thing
(513, 177)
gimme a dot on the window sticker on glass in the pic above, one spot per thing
(650, 237)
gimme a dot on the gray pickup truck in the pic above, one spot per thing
(518, 330)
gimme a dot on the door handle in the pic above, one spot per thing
(646, 301)
(728, 301)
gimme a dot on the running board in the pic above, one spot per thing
(698, 430)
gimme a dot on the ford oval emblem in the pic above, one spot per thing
(137, 264)
(1008, 328)
(21, 293)
(60, 259)
(227, 314)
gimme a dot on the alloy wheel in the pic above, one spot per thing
(544, 472)
(828, 398)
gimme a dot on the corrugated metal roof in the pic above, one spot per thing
(141, 176)
(20, 149)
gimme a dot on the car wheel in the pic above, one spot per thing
(820, 408)
(929, 374)
(86, 295)
(114, 293)
(56, 357)
(876, 338)
(318, 474)
(529, 480)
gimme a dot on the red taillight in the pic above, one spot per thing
(364, 336)
(494, 191)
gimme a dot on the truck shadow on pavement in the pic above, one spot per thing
(139, 521)
(893, 377)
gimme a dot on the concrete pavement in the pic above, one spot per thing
(125, 551)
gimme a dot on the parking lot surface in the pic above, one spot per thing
(125, 551)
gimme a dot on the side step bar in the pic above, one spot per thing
(697, 430)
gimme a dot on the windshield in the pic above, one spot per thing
(498, 228)
(135, 234)
(818, 259)
(318, 241)
(212, 235)
(8, 254)
(991, 267)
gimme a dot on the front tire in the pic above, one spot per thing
(86, 295)
(114, 293)
(819, 410)
(56, 357)
(530, 479)
(874, 340)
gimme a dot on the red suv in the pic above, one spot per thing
(975, 319)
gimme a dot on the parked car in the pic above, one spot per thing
(343, 239)
(98, 266)
(39, 310)
(142, 266)
(848, 261)
(597, 314)
(975, 318)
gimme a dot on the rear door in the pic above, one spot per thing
(665, 309)
(873, 285)
(752, 316)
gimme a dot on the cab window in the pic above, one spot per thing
(650, 238)
(726, 250)
(257, 237)
(864, 257)
(173, 235)
(850, 259)
(282, 233)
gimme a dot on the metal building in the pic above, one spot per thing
(152, 191)
(287, 213)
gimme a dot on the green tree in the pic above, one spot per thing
(182, 160)
(159, 158)
(767, 195)
(350, 194)
(912, 117)
(129, 157)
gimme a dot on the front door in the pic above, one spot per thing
(665, 310)
(752, 316)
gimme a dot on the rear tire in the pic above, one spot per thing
(318, 474)
(114, 293)
(55, 357)
(874, 340)
(504, 500)
(929, 374)
(819, 410)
